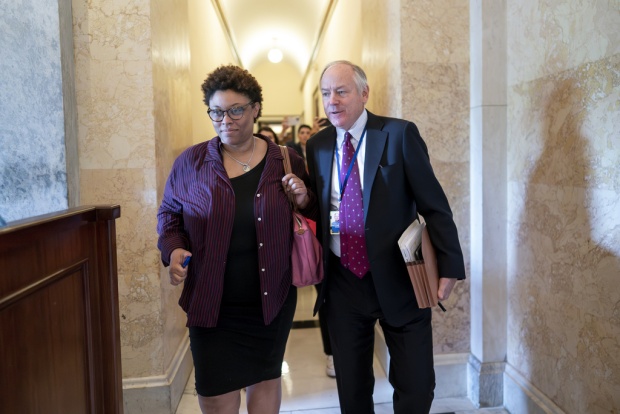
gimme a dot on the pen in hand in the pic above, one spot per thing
(186, 262)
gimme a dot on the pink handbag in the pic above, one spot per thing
(307, 254)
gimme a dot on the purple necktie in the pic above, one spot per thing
(353, 254)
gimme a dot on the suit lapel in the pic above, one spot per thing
(376, 140)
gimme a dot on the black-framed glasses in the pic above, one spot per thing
(235, 113)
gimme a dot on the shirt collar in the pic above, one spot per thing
(356, 130)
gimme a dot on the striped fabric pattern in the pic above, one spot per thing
(197, 213)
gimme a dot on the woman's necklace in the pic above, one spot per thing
(244, 165)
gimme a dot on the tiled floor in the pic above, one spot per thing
(305, 387)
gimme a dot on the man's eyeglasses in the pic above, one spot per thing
(235, 113)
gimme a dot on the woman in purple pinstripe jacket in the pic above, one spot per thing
(225, 206)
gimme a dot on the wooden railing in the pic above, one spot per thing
(59, 320)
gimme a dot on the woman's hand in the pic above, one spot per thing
(177, 272)
(295, 185)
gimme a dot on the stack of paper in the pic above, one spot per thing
(410, 241)
(423, 273)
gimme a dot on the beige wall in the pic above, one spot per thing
(209, 49)
(341, 41)
(281, 95)
(564, 202)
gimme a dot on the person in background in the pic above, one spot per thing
(372, 175)
(286, 134)
(304, 132)
(225, 206)
(269, 133)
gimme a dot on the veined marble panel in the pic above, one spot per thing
(138, 261)
(549, 36)
(569, 121)
(435, 95)
(134, 190)
(435, 31)
(436, 98)
(564, 235)
(114, 84)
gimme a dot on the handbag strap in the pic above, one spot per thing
(288, 170)
(287, 159)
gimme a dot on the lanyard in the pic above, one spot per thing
(343, 184)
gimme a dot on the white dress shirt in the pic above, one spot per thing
(356, 132)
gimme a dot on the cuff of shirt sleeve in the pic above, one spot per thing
(168, 246)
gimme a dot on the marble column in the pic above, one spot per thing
(134, 112)
(488, 201)
(435, 88)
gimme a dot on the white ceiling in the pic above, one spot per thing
(255, 26)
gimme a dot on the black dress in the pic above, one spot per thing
(241, 350)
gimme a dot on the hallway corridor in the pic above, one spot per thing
(306, 389)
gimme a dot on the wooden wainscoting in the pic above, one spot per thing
(59, 325)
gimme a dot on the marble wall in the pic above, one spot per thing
(564, 202)
(381, 49)
(33, 178)
(434, 64)
(132, 85)
(117, 158)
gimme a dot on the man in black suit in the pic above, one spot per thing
(397, 182)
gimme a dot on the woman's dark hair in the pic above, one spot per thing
(266, 128)
(232, 78)
(303, 126)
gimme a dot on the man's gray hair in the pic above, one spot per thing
(359, 76)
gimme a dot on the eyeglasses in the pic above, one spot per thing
(235, 113)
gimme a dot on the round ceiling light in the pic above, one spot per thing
(274, 55)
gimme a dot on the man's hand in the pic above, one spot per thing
(445, 287)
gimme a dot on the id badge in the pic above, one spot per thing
(334, 222)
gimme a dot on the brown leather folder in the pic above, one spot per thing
(424, 275)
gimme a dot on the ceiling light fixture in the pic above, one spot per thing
(274, 55)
